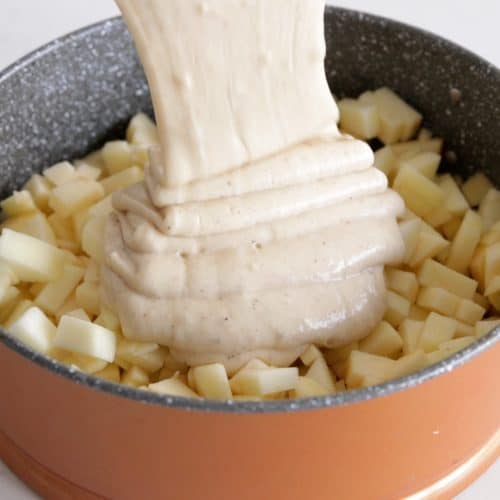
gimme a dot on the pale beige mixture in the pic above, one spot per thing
(259, 229)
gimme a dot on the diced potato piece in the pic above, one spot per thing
(385, 160)
(421, 195)
(55, 293)
(147, 355)
(9, 299)
(418, 313)
(410, 331)
(384, 341)
(82, 337)
(79, 313)
(398, 120)
(40, 188)
(135, 377)
(108, 320)
(211, 381)
(92, 272)
(34, 224)
(429, 245)
(68, 306)
(20, 308)
(407, 149)
(469, 312)
(142, 130)
(102, 208)
(410, 231)
(339, 353)
(451, 227)
(493, 286)
(491, 264)
(438, 300)
(167, 372)
(60, 173)
(19, 203)
(173, 387)
(403, 282)
(424, 134)
(93, 238)
(489, 209)
(87, 297)
(71, 197)
(358, 118)
(477, 266)
(475, 188)
(78, 221)
(35, 330)
(410, 363)
(426, 163)
(432, 273)
(311, 354)
(257, 382)
(111, 373)
(117, 156)
(454, 199)
(437, 329)
(486, 326)
(31, 259)
(465, 242)
(122, 179)
(89, 172)
(494, 299)
(447, 349)
(397, 310)
(439, 216)
(308, 388)
(368, 369)
(491, 237)
(481, 300)
(8, 274)
(320, 372)
(62, 227)
(87, 364)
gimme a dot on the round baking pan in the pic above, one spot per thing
(70, 435)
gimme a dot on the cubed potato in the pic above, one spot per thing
(102, 208)
(19, 203)
(166, 372)
(455, 201)
(437, 329)
(339, 353)
(108, 320)
(469, 312)
(135, 377)
(82, 337)
(493, 287)
(122, 179)
(173, 387)
(418, 313)
(211, 381)
(383, 341)
(142, 130)
(147, 355)
(491, 264)
(19, 309)
(111, 373)
(490, 237)
(477, 266)
(35, 224)
(54, 294)
(421, 195)
(397, 310)
(481, 300)
(88, 298)
(320, 372)
(432, 273)
(34, 329)
(439, 216)
(93, 238)
(438, 300)
(465, 242)
(40, 189)
(79, 219)
(410, 331)
(486, 326)
(60, 173)
(489, 209)
(410, 231)
(8, 302)
(464, 330)
(410, 148)
(79, 313)
(385, 160)
(475, 188)
(424, 134)
(261, 382)
(310, 355)
(494, 299)
(69, 305)
(447, 349)
(368, 369)
(358, 118)
(308, 388)
(89, 172)
(451, 227)
(426, 163)
(30, 258)
(117, 156)
(87, 364)
(74, 196)
(429, 245)
(398, 120)
(403, 282)
(410, 363)
(62, 227)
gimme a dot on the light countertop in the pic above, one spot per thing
(27, 24)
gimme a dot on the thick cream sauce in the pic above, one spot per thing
(259, 228)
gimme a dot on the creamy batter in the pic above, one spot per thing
(259, 228)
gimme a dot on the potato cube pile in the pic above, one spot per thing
(443, 296)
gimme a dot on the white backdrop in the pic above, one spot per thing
(26, 24)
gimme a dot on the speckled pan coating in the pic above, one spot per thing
(70, 96)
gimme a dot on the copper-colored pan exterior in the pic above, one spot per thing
(72, 436)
